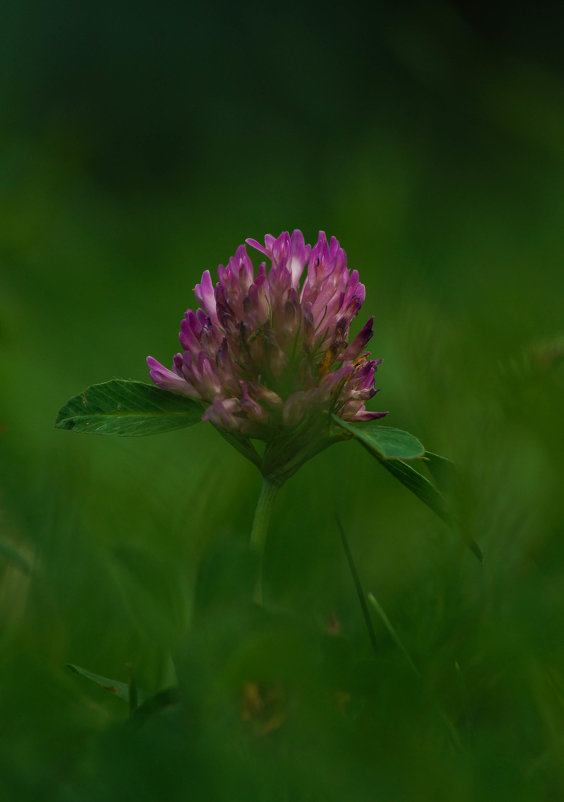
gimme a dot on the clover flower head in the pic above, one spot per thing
(267, 350)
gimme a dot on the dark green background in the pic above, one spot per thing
(140, 143)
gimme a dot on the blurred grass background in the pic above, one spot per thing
(140, 144)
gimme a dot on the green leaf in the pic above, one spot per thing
(119, 689)
(386, 441)
(391, 447)
(442, 470)
(429, 495)
(445, 477)
(161, 700)
(127, 408)
(141, 707)
(419, 485)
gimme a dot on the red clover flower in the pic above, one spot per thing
(266, 353)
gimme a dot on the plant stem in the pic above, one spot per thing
(259, 531)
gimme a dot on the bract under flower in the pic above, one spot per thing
(267, 350)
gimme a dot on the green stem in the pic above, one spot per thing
(259, 531)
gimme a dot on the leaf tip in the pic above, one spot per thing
(63, 421)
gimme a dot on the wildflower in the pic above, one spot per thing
(266, 352)
(268, 357)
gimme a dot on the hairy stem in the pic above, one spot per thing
(259, 531)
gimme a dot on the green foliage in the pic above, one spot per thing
(387, 442)
(119, 689)
(419, 485)
(127, 408)
(141, 707)
(391, 447)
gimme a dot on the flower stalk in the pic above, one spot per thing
(261, 522)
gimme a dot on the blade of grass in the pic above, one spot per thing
(358, 586)
(450, 727)
(392, 632)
